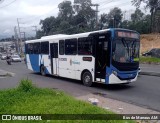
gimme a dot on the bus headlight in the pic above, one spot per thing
(114, 72)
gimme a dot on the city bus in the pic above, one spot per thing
(109, 56)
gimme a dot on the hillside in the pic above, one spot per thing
(149, 41)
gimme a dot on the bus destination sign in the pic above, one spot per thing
(127, 34)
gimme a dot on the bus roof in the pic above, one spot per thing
(64, 36)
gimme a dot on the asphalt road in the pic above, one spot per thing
(144, 92)
(150, 68)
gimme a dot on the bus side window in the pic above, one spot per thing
(61, 47)
(30, 48)
(85, 46)
(37, 47)
(44, 47)
(71, 46)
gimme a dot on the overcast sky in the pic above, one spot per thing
(30, 12)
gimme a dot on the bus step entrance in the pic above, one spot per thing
(100, 75)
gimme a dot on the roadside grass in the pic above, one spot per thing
(29, 99)
(149, 60)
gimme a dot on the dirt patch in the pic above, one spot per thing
(149, 41)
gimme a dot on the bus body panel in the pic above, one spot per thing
(45, 61)
(113, 79)
(116, 76)
(83, 63)
(28, 62)
(34, 62)
(66, 68)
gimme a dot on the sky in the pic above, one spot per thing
(30, 12)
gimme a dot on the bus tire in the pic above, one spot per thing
(43, 73)
(87, 79)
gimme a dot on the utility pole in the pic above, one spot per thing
(96, 11)
(35, 30)
(24, 35)
(19, 36)
(16, 37)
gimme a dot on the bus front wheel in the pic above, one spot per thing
(87, 79)
(43, 71)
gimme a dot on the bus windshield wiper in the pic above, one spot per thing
(125, 45)
(133, 47)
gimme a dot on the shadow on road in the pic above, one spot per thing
(115, 87)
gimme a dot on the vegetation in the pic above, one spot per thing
(28, 99)
(154, 6)
(150, 60)
(139, 22)
(80, 17)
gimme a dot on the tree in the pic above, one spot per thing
(48, 24)
(39, 34)
(103, 21)
(65, 10)
(137, 16)
(85, 13)
(153, 5)
(70, 19)
(114, 17)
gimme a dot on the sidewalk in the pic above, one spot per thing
(118, 107)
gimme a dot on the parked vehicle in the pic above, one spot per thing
(16, 58)
(3, 57)
(155, 52)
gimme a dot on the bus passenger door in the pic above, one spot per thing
(102, 55)
(54, 58)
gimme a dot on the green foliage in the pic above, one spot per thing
(150, 60)
(137, 16)
(26, 85)
(46, 101)
(80, 17)
(71, 19)
(139, 22)
(65, 11)
(154, 7)
(112, 19)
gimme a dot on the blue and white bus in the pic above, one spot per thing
(109, 56)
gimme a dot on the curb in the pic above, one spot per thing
(150, 74)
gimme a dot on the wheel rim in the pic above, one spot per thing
(87, 79)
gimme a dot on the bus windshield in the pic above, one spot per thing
(126, 50)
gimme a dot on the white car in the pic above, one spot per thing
(3, 57)
(16, 58)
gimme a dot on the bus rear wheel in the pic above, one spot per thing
(43, 71)
(87, 79)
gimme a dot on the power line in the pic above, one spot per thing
(39, 16)
(8, 4)
(107, 2)
(119, 5)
